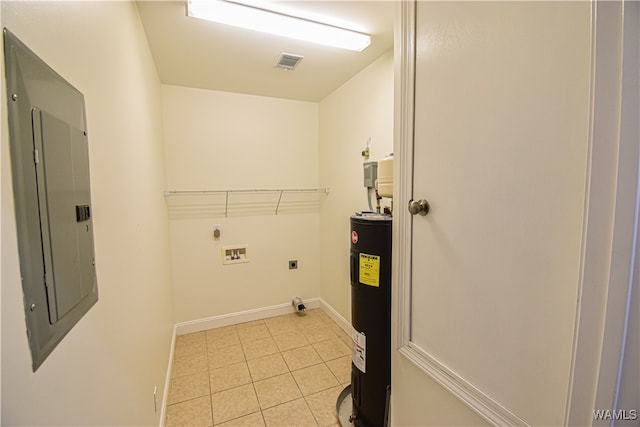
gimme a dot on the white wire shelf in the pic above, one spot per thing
(242, 202)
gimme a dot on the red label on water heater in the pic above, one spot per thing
(354, 237)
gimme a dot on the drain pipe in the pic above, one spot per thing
(298, 305)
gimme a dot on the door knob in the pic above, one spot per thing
(419, 207)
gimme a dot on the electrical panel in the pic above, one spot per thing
(50, 171)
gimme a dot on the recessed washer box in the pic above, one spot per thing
(235, 254)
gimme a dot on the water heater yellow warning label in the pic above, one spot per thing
(370, 270)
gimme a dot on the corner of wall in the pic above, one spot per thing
(357, 113)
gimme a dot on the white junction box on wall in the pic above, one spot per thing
(235, 254)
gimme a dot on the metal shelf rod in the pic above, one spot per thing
(226, 193)
(171, 193)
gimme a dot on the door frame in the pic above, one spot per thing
(612, 216)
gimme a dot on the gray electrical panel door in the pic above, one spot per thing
(62, 176)
(50, 171)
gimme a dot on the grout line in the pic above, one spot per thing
(255, 392)
(206, 355)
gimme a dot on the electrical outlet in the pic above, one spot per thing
(293, 264)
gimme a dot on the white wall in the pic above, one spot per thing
(226, 141)
(360, 109)
(105, 370)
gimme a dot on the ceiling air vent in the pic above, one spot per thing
(288, 61)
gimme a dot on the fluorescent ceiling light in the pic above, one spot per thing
(243, 16)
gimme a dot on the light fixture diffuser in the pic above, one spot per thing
(243, 16)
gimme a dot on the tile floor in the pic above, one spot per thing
(281, 371)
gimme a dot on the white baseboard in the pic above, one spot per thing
(167, 381)
(336, 317)
(254, 314)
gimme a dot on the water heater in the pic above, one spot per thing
(371, 318)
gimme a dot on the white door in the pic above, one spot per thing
(501, 147)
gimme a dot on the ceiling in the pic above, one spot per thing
(201, 54)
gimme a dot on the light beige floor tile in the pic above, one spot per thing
(234, 403)
(229, 377)
(252, 420)
(250, 324)
(308, 321)
(314, 379)
(332, 349)
(347, 340)
(259, 348)
(323, 406)
(220, 339)
(319, 333)
(267, 366)
(189, 344)
(212, 334)
(221, 329)
(318, 312)
(288, 340)
(310, 313)
(280, 325)
(196, 412)
(188, 387)
(253, 333)
(276, 390)
(340, 332)
(192, 338)
(314, 311)
(341, 368)
(293, 315)
(336, 328)
(295, 413)
(302, 357)
(219, 357)
(189, 365)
